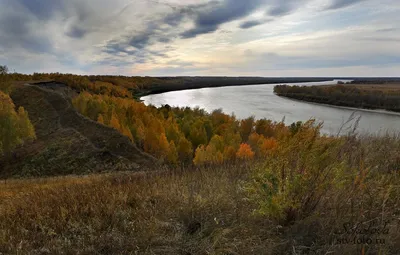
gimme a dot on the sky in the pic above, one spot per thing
(202, 37)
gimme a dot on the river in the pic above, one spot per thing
(261, 102)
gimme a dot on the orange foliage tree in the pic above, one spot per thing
(245, 152)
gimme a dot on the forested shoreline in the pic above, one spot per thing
(141, 86)
(344, 95)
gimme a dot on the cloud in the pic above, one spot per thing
(18, 30)
(162, 29)
(338, 4)
(280, 10)
(114, 48)
(42, 9)
(76, 32)
(227, 11)
(191, 33)
(283, 8)
(179, 14)
(253, 23)
(174, 71)
(384, 30)
(137, 44)
(164, 40)
(380, 39)
(210, 18)
(140, 41)
(271, 61)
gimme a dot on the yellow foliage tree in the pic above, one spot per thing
(264, 127)
(198, 135)
(218, 142)
(140, 131)
(150, 141)
(15, 127)
(172, 156)
(254, 141)
(200, 157)
(163, 146)
(246, 128)
(229, 154)
(25, 127)
(208, 155)
(185, 150)
(127, 132)
(172, 131)
(213, 156)
(114, 122)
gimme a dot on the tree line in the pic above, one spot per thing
(118, 86)
(343, 95)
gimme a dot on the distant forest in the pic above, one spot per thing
(343, 95)
(138, 86)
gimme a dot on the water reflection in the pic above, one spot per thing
(260, 101)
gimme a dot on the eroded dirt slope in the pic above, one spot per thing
(67, 142)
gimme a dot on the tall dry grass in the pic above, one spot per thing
(171, 213)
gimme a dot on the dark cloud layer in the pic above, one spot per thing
(206, 17)
(140, 41)
(152, 33)
(209, 19)
(282, 8)
(253, 23)
(198, 30)
(17, 30)
(338, 4)
(250, 24)
(23, 22)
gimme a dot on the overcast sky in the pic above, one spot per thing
(202, 37)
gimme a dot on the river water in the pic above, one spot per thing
(261, 102)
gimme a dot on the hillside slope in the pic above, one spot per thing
(66, 139)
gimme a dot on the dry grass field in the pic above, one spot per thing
(83, 188)
(216, 210)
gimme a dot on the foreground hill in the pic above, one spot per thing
(67, 142)
(244, 186)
